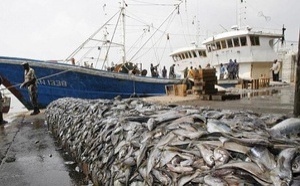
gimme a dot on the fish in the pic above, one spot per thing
(153, 159)
(262, 157)
(207, 154)
(215, 181)
(231, 146)
(186, 179)
(286, 127)
(217, 126)
(250, 167)
(129, 141)
(161, 177)
(296, 164)
(166, 157)
(189, 134)
(221, 156)
(179, 169)
(282, 174)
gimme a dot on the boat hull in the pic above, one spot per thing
(56, 80)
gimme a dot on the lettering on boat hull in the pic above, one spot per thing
(52, 82)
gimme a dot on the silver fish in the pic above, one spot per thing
(189, 134)
(215, 181)
(221, 156)
(179, 169)
(296, 164)
(285, 127)
(207, 154)
(232, 146)
(250, 167)
(262, 157)
(185, 179)
(217, 126)
(163, 179)
(283, 172)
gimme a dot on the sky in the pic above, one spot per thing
(53, 29)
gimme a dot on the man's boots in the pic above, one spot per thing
(35, 111)
(1, 119)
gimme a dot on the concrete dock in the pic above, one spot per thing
(30, 156)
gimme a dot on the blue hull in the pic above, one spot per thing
(57, 80)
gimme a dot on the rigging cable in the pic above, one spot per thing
(93, 35)
(156, 30)
(106, 55)
(164, 33)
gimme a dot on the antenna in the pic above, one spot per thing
(239, 12)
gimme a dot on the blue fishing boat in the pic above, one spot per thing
(57, 80)
(82, 78)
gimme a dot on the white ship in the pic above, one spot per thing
(254, 50)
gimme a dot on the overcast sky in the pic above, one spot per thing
(52, 29)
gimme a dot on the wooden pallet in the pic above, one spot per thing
(223, 97)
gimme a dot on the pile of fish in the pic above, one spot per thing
(132, 142)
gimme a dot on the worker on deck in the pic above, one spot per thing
(172, 74)
(153, 70)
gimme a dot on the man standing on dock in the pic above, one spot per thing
(2, 121)
(30, 82)
(275, 70)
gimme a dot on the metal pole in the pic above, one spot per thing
(297, 85)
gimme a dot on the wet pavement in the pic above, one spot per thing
(277, 99)
(30, 156)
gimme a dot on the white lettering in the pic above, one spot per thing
(51, 82)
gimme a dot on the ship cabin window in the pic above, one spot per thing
(174, 58)
(223, 44)
(184, 56)
(204, 53)
(236, 42)
(229, 43)
(254, 40)
(211, 47)
(218, 44)
(194, 54)
(243, 41)
(208, 48)
(181, 56)
(200, 53)
(189, 55)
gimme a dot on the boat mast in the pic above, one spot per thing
(123, 4)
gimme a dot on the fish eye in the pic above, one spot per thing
(295, 166)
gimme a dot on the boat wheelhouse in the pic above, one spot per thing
(189, 57)
(254, 51)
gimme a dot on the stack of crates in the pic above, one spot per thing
(205, 81)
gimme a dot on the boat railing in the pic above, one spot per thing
(259, 29)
